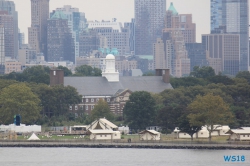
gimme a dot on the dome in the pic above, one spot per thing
(110, 56)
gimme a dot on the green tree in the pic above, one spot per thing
(139, 111)
(86, 70)
(202, 72)
(209, 111)
(67, 72)
(19, 99)
(101, 110)
(186, 127)
(244, 74)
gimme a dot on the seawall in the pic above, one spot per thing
(122, 145)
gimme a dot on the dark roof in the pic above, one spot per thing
(99, 86)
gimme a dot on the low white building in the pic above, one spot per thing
(203, 133)
(149, 135)
(102, 129)
(20, 129)
(104, 135)
(240, 134)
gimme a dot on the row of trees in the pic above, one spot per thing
(40, 74)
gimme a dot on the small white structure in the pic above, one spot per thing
(149, 135)
(240, 134)
(20, 129)
(33, 137)
(203, 133)
(124, 129)
(110, 73)
(104, 135)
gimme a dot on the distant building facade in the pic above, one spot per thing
(223, 52)
(117, 36)
(37, 33)
(10, 21)
(149, 22)
(61, 45)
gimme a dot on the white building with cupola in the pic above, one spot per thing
(113, 89)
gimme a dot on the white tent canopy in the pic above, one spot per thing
(33, 137)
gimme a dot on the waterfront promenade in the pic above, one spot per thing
(118, 144)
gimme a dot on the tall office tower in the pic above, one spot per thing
(183, 22)
(10, 22)
(131, 27)
(149, 22)
(215, 14)
(76, 22)
(222, 52)
(2, 50)
(117, 36)
(236, 19)
(173, 37)
(60, 41)
(7, 22)
(231, 16)
(38, 31)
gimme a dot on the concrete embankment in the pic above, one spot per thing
(124, 145)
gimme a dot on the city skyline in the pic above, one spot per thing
(111, 9)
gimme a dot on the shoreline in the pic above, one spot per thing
(117, 145)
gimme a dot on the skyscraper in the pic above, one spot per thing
(9, 20)
(61, 45)
(38, 30)
(149, 22)
(232, 17)
(215, 14)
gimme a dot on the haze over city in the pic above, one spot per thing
(123, 10)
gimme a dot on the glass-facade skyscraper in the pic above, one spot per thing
(216, 14)
(232, 17)
(149, 22)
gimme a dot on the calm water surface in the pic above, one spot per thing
(116, 157)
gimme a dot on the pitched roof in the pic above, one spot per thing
(150, 131)
(33, 137)
(172, 8)
(58, 15)
(99, 86)
(238, 131)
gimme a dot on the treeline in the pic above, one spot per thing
(172, 107)
(40, 74)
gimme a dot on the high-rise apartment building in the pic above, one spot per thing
(131, 27)
(2, 50)
(149, 22)
(222, 52)
(61, 46)
(38, 31)
(232, 17)
(9, 19)
(117, 36)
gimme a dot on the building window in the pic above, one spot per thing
(201, 133)
(243, 135)
(97, 100)
(70, 107)
(108, 99)
(76, 107)
(87, 100)
(92, 100)
(87, 107)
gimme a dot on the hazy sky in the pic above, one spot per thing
(123, 10)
